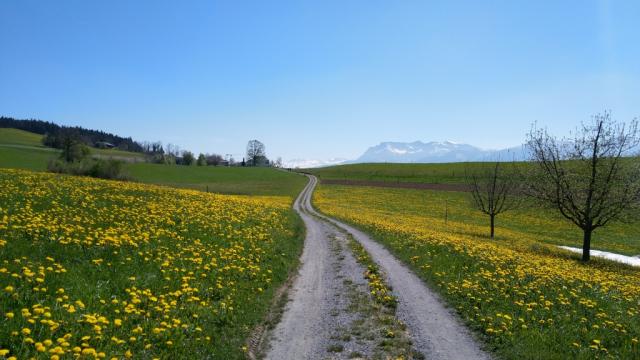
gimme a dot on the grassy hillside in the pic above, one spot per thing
(29, 158)
(109, 269)
(10, 136)
(226, 180)
(23, 150)
(450, 173)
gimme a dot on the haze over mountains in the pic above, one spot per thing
(420, 152)
(305, 163)
(435, 152)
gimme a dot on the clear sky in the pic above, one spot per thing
(319, 79)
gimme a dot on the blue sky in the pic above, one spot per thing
(319, 79)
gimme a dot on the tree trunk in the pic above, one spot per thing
(586, 245)
(493, 217)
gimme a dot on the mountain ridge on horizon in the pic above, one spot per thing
(421, 152)
(435, 152)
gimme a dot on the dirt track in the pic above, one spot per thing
(329, 299)
(318, 296)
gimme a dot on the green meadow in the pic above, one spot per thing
(24, 150)
(448, 173)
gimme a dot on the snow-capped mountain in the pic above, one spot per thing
(435, 152)
(417, 152)
(306, 163)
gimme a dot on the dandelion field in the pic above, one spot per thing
(528, 221)
(101, 269)
(523, 298)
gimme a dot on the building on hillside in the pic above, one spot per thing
(104, 145)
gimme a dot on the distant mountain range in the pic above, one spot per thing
(435, 152)
(420, 152)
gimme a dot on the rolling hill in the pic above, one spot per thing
(21, 149)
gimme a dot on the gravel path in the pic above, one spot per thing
(318, 310)
(319, 293)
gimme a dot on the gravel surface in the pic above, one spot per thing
(319, 299)
(318, 314)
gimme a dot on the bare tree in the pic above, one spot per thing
(587, 178)
(255, 153)
(173, 150)
(493, 190)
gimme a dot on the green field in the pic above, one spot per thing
(9, 136)
(24, 150)
(226, 180)
(449, 173)
(127, 156)
(25, 158)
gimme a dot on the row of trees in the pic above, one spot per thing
(590, 179)
(255, 156)
(188, 158)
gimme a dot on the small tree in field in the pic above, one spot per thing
(73, 150)
(587, 178)
(188, 158)
(494, 191)
(202, 160)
